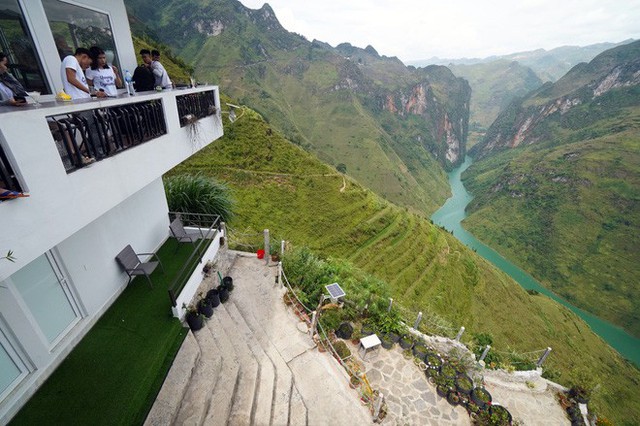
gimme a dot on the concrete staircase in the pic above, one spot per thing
(251, 365)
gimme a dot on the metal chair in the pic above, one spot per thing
(179, 233)
(133, 266)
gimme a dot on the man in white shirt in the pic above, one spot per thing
(160, 74)
(72, 73)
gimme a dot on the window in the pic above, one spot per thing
(12, 369)
(74, 26)
(43, 289)
(17, 44)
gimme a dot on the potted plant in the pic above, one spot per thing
(433, 360)
(205, 308)
(354, 382)
(356, 336)
(275, 255)
(227, 282)
(194, 318)
(386, 341)
(481, 397)
(500, 415)
(223, 293)
(345, 330)
(214, 297)
(448, 371)
(464, 384)
(419, 350)
(406, 342)
(453, 398)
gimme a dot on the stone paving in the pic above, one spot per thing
(411, 400)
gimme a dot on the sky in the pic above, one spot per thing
(421, 29)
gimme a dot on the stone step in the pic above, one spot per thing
(175, 385)
(283, 382)
(197, 398)
(266, 385)
(227, 381)
(297, 409)
(248, 376)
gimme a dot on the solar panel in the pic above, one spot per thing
(335, 291)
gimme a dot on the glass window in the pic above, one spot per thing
(10, 371)
(17, 44)
(74, 26)
(42, 292)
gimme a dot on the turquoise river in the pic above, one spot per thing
(451, 215)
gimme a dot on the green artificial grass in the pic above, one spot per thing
(113, 375)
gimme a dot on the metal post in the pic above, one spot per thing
(460, 334)
(279, 279)
(314, 319)
(266, 246)
(223, 228)
(281, 248)
(417, 323)
(485, 352)
(543, 357)
(390, 305)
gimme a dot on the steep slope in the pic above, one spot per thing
(392, 127)
(279, 186)
(493, 86)
(558, 182)
(549, 65)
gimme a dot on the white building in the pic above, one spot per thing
(66, 235)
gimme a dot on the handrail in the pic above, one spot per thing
(195, 220)
(194, 106)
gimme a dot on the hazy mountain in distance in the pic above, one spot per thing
(556, 185)
(394, 128)
(550, 65)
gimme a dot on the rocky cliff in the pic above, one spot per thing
(528, 120)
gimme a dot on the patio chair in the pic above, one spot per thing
(133, 266)
(179, 233)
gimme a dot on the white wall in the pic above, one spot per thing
(89, 255)
(61, 204)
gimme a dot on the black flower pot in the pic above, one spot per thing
(214, 297)
(386, 342)
(406, 342)
(448, 371)
(395, 338)
(503, 415)
(195, 321)
(205, 308)
(481, 397)
(367, 330)
(419, 351)
(227, 282)
(453, 398)
(344, 331)
(223, 293)
(464, 384)
(442, 391)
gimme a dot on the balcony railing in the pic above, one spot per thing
(194, 106)
(104, 132)
(8, 178)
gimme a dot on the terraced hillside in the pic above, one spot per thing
(279, 186)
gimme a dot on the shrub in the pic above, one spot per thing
(342, 349)
(198, 194)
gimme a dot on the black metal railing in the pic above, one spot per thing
(207, 226)
(86, 136)
(194, 106)
(8, 179)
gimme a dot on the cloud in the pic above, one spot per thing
(415, 29)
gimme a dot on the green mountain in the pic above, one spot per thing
(279, 186)
(557, 186)
(493, 86)
(395, 128)
(549, 65)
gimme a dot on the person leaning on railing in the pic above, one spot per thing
(11, 91)
(104, 77)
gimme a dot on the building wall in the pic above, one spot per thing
(88, 260)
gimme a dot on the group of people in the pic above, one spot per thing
(87, 72)
(88, 68)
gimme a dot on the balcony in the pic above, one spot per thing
(134, 140)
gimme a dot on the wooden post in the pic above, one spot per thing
(390, 305)
(543, 357)
(266, 246)
(417, 323)
(459, 334)
(485, 352)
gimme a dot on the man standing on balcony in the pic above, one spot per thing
(72, 74)
(160, 74)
